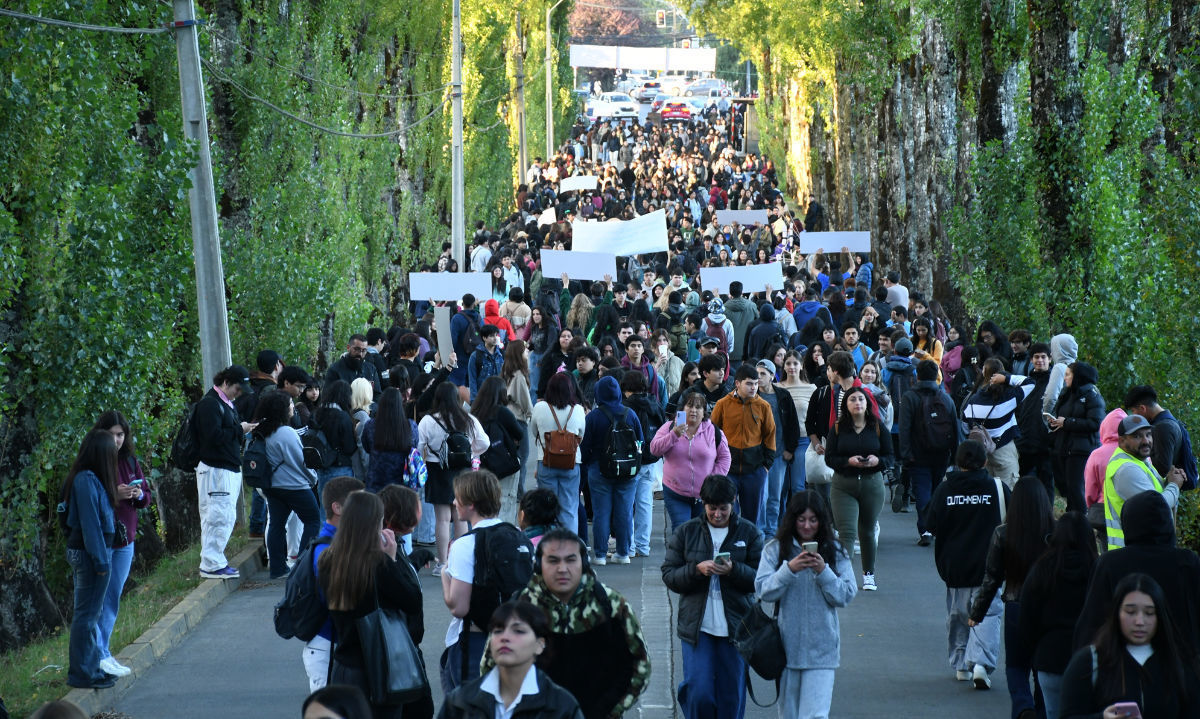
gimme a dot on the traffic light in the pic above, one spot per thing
(687, 43)
(660, 18)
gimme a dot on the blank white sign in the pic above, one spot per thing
(548, 217)
(745, 218)
(810, 242)
(449, 285)
(754, 278)
(579, 265)
(441, 315)
(578, 182)
(644, 234)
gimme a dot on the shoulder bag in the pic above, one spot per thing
(394, 669)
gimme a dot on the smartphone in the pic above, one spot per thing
(1128, 709)
(1047, 416)
(136, 483)
(681, 418)
(810, 547)
(722, 558)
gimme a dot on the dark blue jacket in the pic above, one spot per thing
(89, 512)
(595, 428)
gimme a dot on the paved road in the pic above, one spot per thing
(893, 648)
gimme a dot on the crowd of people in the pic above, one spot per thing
(771, 425)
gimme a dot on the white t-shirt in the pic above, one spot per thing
(460, 565)
(714, 622)
(543, 422)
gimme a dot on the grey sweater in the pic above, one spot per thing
(286, 455)
(808, 620)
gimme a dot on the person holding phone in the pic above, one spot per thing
(692, 448)
(808, 572)
(1136, 665)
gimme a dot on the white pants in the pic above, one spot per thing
(805, 693)
(979, 644)
(217, 493)
(316, 662)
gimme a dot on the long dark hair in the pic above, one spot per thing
(392, 431)
(991, 366)
(271, 412)
(492, 395)
(447, 406)
(1110, 643)
(337, 392)
(1073, 541)
(347, 567)
(110, 419)
(845, 422)
(97, 454)
(786, 534)
(1030, 521)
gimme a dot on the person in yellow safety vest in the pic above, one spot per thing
(1129, 472)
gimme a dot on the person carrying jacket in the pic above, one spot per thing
(1075, 427)
(713, 597)
(1129, 473)
(740, 312)
(749, 426)
(925, 464)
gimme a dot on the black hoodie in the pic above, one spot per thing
(1149, 549)
(963, 513)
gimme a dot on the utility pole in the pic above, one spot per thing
(206, 241)
(457, 221)
(747, 93)
(549, 85)
(523, 151)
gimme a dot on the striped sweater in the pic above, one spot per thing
(995, 408)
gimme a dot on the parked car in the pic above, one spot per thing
(673, 84)
(647, 90)
(657, 103)
(613, 104)
(704, 85)
(675, 109)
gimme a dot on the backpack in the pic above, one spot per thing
(503, 567)
(717, 331)
(1189, 460)
(470, 336)
(256, 467)
(302, 611)
(936, 433)
(649, 426)
(502, 458)
(185, 450)
(559, 445)
(455, 452)
(622, 455)
(979, 433)
(898, 384)
(318, 454)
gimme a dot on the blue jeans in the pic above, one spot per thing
(451, 661)
(768, 519)
(1051, 685)
(258, 512)
(523, 450)
(714, 679)
(90, 589)
(612, 510)
(925, 479)
(680, 508)
(796, 470)
(1017, 662)
(643, 509)
(565, 485)
(535, 369)
(282, 503)
(323, 477)
(750, 493)
(119, 560)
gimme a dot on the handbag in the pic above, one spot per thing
(757, 640)
(816, 471)
(394, 670)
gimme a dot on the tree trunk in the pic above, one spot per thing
(179, 509)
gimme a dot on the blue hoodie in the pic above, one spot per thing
(595, 428)
(809, 309)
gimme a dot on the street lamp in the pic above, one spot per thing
(549, 86)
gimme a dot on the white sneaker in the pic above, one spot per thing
(962, 675)
(621, 559)
(981, 678)
(869, 582)
(857, 547)
(110, 665)
(437, 568)
(600, 561)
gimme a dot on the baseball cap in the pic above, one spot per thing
(710, 341)
(904, 347)
(242, 374)
(1131, 424)
(768, 365)
(267, 359)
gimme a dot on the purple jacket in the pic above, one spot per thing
(129, 469)
(687, 462)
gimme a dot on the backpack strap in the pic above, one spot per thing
(1000, 494)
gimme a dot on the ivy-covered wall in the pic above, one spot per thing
(97, 297)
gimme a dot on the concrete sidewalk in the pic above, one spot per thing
(893, 648)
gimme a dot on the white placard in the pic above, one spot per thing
(644, 234)
(810, 242)
(745, 218)
(441, 316)
(579, 265)
(754, 278)
(578, 182)
(449, 285)
(549, 217)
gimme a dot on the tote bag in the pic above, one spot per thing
(393, 667)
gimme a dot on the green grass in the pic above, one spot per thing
(37, 673)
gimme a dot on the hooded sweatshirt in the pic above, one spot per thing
(595, 431)
(1097, 461)
(1063, 351)
(762, 332)
(719, 319)
(963, 513)
(740, 312)
(491, 315)
(809, 309)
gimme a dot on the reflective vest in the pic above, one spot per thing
(1113, 503)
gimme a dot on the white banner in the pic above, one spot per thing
(754, 278)
(644, 234)
(449, 285)
(745, 218)
(624, 57)
(579, 265)
(810, 242)
(441, 315)
(578, 182)
(549, 217)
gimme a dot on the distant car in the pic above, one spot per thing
(675, 109)
(657, 103)
(647, 90)
(673, 84)
(699, 105)
(613, 104)
(704, 86)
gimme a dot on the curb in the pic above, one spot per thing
(167, 633)
(658, 631)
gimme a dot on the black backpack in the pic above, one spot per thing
(502, 458)
(937, 429)
(256, 468)
(302, 612)
(650, 425)
(622, 456)
(503, 567)
(470, 336)
(185, 449)
(318, 454)
(455, 452)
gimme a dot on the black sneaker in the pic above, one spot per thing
(897, 499)
(925, 539)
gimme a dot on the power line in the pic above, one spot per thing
(84, 26)
(304, 121)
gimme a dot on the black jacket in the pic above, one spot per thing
(963, 513)
(339, 370)
(219, 434)
(912, 449)
(842, 444)
(338, 427)
(469, 701)
(1033, 436)
(1144, 685)
(1082, 408)
(398, 588)
(1051, 600)
(692, 544)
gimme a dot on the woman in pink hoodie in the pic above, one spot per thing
(1097, 461)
